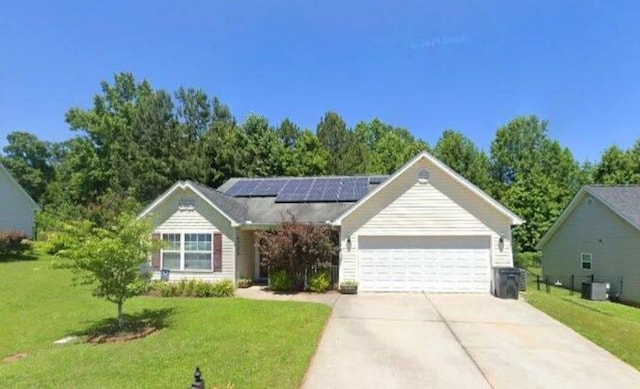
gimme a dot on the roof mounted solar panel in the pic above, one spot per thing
(375, 180)
(267, 188)
(243, 188)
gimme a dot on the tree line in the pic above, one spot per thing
(135, 141)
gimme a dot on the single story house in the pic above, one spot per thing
(597, 235)
(423, 228)
(17, 208)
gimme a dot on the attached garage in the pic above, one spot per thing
(425, 229)
(434, 264)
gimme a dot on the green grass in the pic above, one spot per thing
(250, 344)
(614, 327)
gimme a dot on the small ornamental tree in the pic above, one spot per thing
(293, 246)
(112, 259)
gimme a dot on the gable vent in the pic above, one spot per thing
(589, 200)
(186, 204)
(423, 176)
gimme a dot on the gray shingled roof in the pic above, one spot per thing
(265, 210)
(623, 200)
(228, 204)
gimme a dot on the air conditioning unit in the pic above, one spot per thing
(598, 291)
(506, 282)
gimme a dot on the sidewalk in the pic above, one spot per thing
(259, 292)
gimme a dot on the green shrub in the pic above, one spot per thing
(222, 288)
(528, 259)
(280, 280)
(202, 289)
(165, 290)
(320, 282)
(14, 243)
(193, 288)
(189, 288)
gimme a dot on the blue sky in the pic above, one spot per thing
(422, 65)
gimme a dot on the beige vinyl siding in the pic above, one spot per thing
(409, 208)
(16, 209)
(615, 245)
(203, 219)
(246, 254)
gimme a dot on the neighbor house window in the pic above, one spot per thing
(586, 261)
(171, 252)
(197, 251)
(187, 251)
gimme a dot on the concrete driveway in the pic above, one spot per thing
(456, 341)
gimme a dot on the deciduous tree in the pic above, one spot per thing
(111, 259)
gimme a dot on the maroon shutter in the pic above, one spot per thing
(217, 252)
(155, 257)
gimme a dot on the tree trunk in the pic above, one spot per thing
(120, 315)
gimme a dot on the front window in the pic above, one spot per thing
(171, 253)
(197, 251)
(586, 261)
(187, 251)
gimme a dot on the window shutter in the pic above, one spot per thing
(217, 252)
(155, 256)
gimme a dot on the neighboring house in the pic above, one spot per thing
(597, 234)
(17, 208)
(424, 228)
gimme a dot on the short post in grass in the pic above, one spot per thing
(198, 382)
(573, 279)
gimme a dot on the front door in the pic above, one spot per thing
(263, 271)
(260, 271)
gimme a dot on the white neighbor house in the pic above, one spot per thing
(17, 208)
(423, 228)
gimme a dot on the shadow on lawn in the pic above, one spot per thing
(18, 258)
(137, 322)
(585, 306)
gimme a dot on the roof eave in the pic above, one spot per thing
(515, 219)
(15, 182)
(185, 185)
(563, 216)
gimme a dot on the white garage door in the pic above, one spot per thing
(424, 263)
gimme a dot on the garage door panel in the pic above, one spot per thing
(432, 264)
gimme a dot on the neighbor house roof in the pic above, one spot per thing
(15, 183)
(624, 200)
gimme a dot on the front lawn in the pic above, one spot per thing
(614, 327)
(250, 344)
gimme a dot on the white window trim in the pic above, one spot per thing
(582, 261)
(182, 249)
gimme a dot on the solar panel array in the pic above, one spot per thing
(297, 190)
(257, 188)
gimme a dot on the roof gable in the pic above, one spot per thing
(12, 181)
(224, 204)
(623, 200)
(515, 219)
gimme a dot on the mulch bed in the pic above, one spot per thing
(15, 357)
(122, 336)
